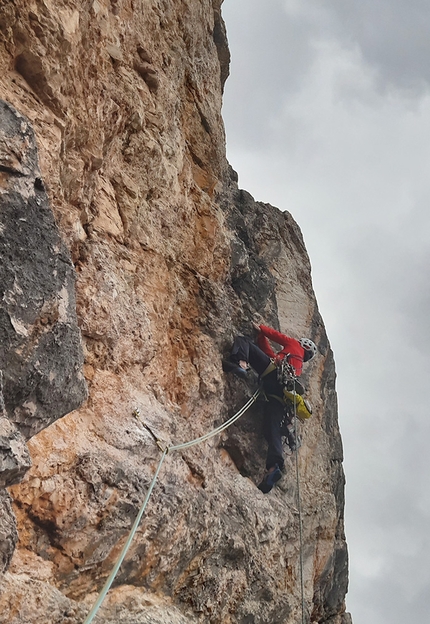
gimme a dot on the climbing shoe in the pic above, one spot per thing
(270, 480)
(232, 367)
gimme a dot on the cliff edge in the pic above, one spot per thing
(130, 259)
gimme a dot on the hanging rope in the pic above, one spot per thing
(133, 530)
(299, 508)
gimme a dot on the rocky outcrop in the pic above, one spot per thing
(41, 355)
(171, 260)
(14, 456)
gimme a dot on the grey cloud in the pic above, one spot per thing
(392, 34)
(378, 605)
(273, 55)
(278, 46)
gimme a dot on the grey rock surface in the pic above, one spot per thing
(41, 353)
(8, 532)
(41, 356)
(14, 456)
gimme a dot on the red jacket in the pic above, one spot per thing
(290, 346)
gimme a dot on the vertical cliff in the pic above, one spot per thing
(130, 255)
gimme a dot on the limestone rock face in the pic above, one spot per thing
(171, 260)
(8, 533)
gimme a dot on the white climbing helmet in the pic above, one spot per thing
(308, 345)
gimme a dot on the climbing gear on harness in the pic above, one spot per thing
(294, 441)
(285, 372)
(177, 447)
(308, 345)
(287, 428)
(270, 480)
(285, 376)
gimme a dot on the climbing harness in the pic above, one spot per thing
(285, 375)
(165, 451)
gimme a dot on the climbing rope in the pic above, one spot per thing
(133, 530)
(299, 508)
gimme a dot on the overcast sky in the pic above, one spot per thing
(327, 113)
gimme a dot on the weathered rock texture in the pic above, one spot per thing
(171, 261)
(41, 356)
(41, 352)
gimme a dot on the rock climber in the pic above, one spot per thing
(262, 358)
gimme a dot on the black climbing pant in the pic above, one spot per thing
(245, 349)
(274, 410)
